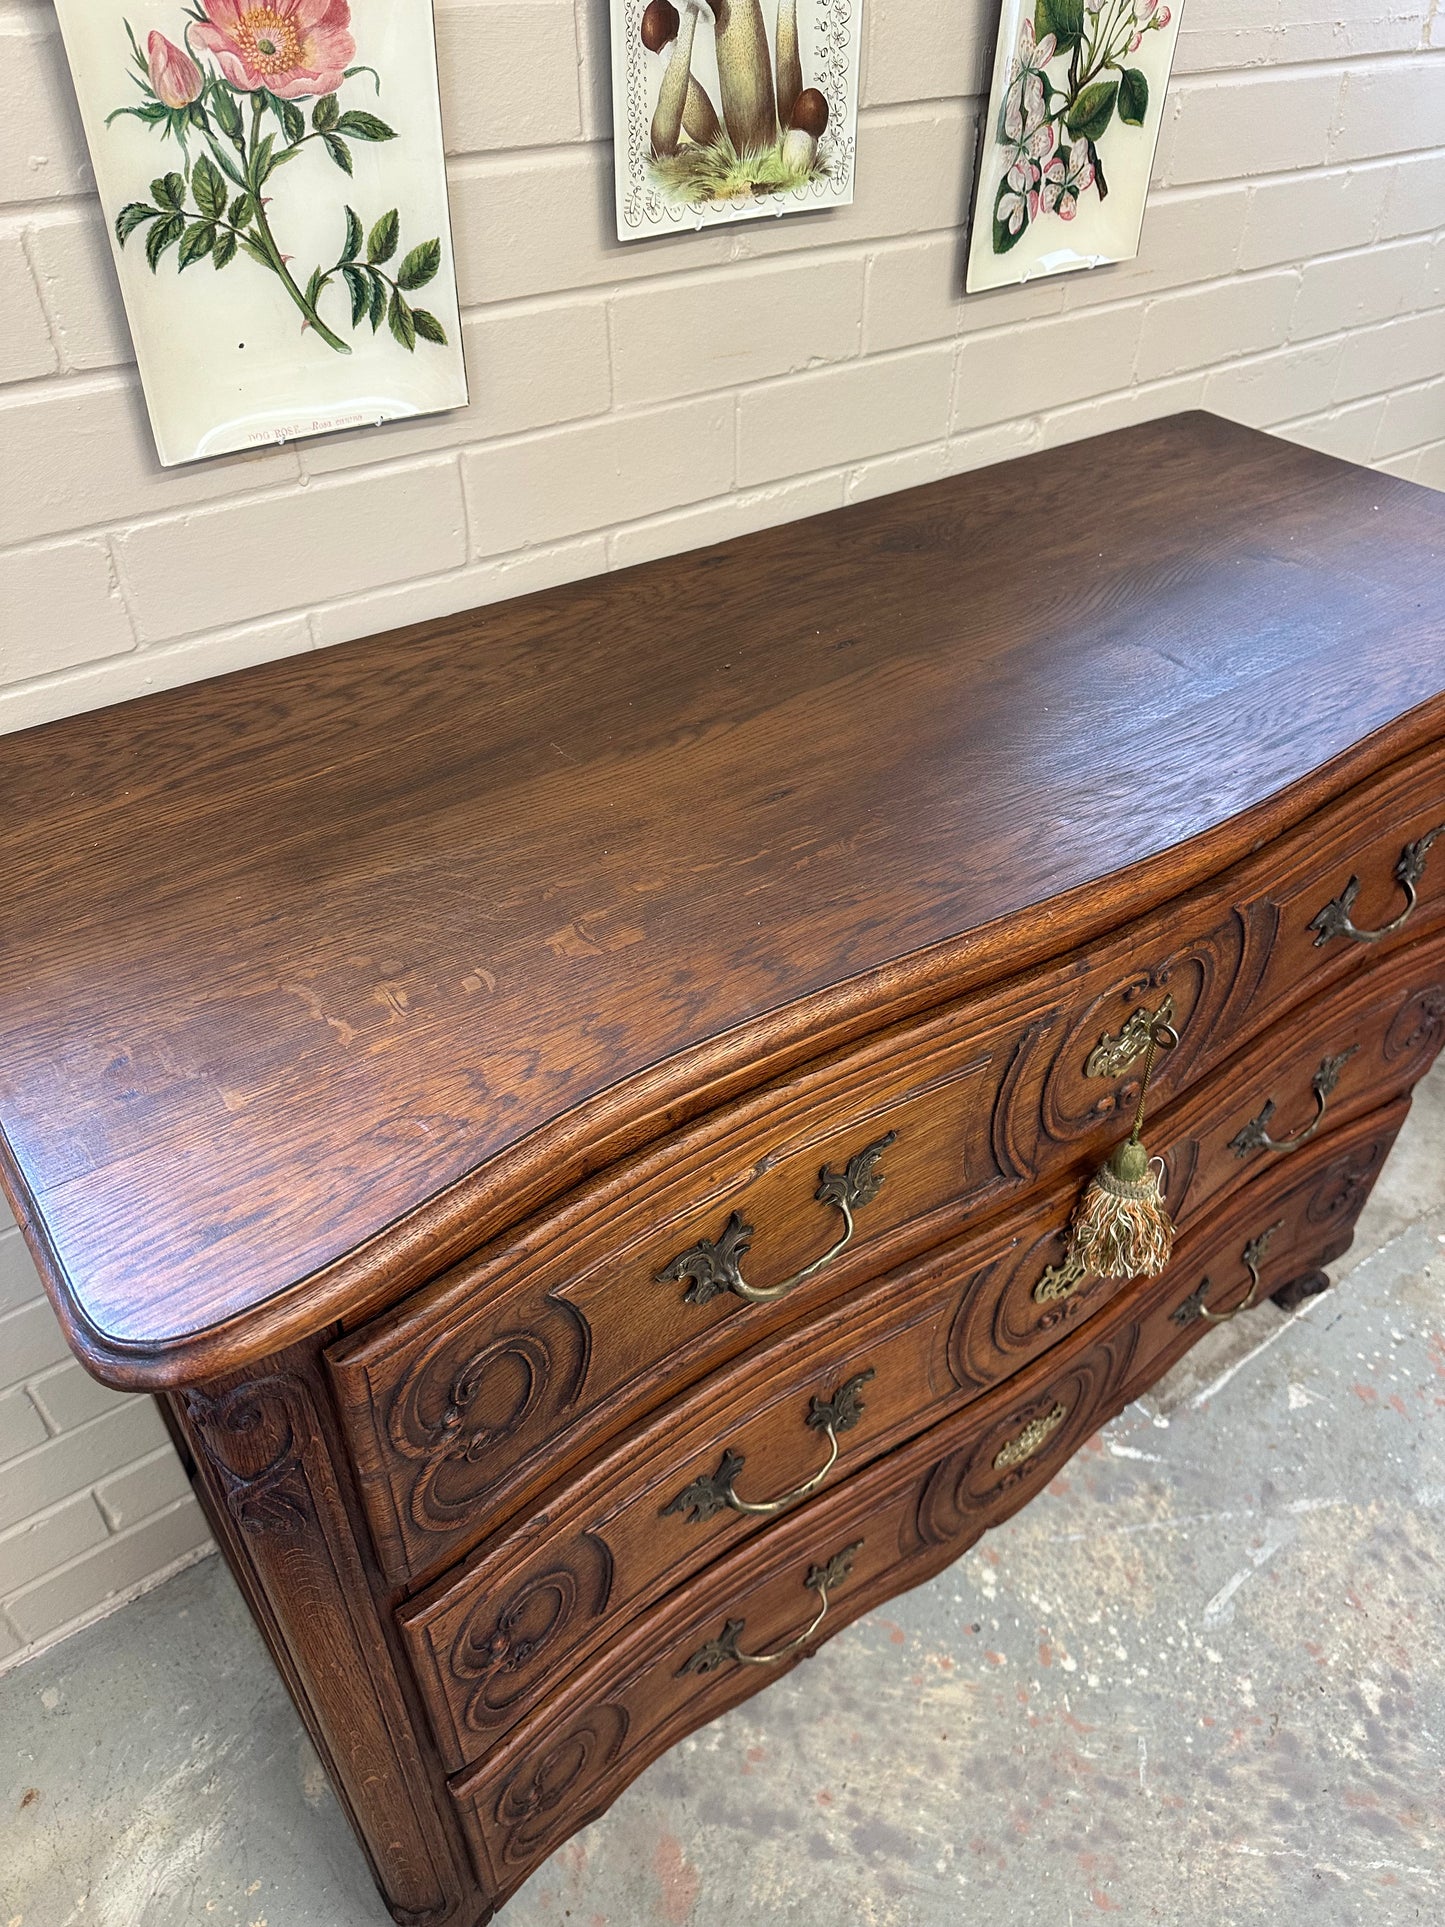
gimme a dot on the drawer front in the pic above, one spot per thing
(1283, 1225)
(904, 1519)
(477, 1391)
(489, 1641)
(892, 1526)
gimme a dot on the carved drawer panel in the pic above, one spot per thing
(489, 1640)
(1297, 1220)
(704, 1649)
(736, 1624)
(481, 1388)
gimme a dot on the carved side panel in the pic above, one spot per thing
(267, 1463)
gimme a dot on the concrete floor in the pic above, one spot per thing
(1202, 1680)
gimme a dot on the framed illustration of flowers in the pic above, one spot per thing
(272, 178)
(1067, 142)
(726, 110)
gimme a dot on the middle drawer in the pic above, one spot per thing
(887, 1360)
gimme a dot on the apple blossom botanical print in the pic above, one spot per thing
(1068, 142)
(274, 184)
(729, 109)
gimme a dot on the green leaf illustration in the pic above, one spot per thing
(256, 251)
(420, 265)
(1064, 19)
(1133, 96)
(381, 242)
(243, 211)
(209, 189)
(339, 152)
(1092, 111)
(314, 287)
(364, 127)
(353, 235)
(378, 302)
(401, 322)
(358, 282)
(169, 191)
(224, 252)
(428, 327)
(325, 114)
(197, 242)
(163, 235)
(261, 160)
(130, 218)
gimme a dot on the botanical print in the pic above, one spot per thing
(258, 101)
(729, 109)
(1070, 134)
(267, 59)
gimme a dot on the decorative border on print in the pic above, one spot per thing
(643, 206)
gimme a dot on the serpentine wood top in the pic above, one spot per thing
(311, 973)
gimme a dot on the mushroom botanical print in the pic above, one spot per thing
(272, 179)
(727, 109)
(1069, 137)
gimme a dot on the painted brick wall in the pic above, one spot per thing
(630, 403)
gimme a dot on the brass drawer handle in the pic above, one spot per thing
(1255, 1135)
(725, 1651)
(1033, 1438)
(714, 1267)
(714, 1493)
(1335, 920)
(1194, 1306)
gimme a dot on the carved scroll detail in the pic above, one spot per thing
(263, 1443)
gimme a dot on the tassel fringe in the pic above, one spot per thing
(1120, 1227)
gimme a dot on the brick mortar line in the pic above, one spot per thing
(443, 453)
(310, 613)
(124, 1597)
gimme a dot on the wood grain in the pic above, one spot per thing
(482, 1386)
(313, 978)
(902, 1519)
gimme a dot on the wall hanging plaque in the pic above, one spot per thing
(272, 178)
(1068, 139)
(724, 110)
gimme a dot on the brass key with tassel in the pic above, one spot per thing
(1120, 1227)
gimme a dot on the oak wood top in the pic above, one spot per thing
(310, 973)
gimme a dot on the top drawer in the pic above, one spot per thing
(486, 1385)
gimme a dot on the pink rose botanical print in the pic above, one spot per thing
(1074, 118)
(244, 91)
(273, 181)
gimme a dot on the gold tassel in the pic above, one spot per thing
(1120, 1227)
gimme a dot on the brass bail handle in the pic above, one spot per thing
(725, 1650)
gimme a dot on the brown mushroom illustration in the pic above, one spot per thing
(808, 122)
(682, 102)
(790, 65)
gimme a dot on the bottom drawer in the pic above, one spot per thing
(752, 1614)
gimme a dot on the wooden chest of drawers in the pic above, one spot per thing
(575, 1108)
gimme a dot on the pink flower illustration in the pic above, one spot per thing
(292, 48)
(174, 75)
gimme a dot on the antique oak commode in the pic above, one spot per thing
(574, 1108)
